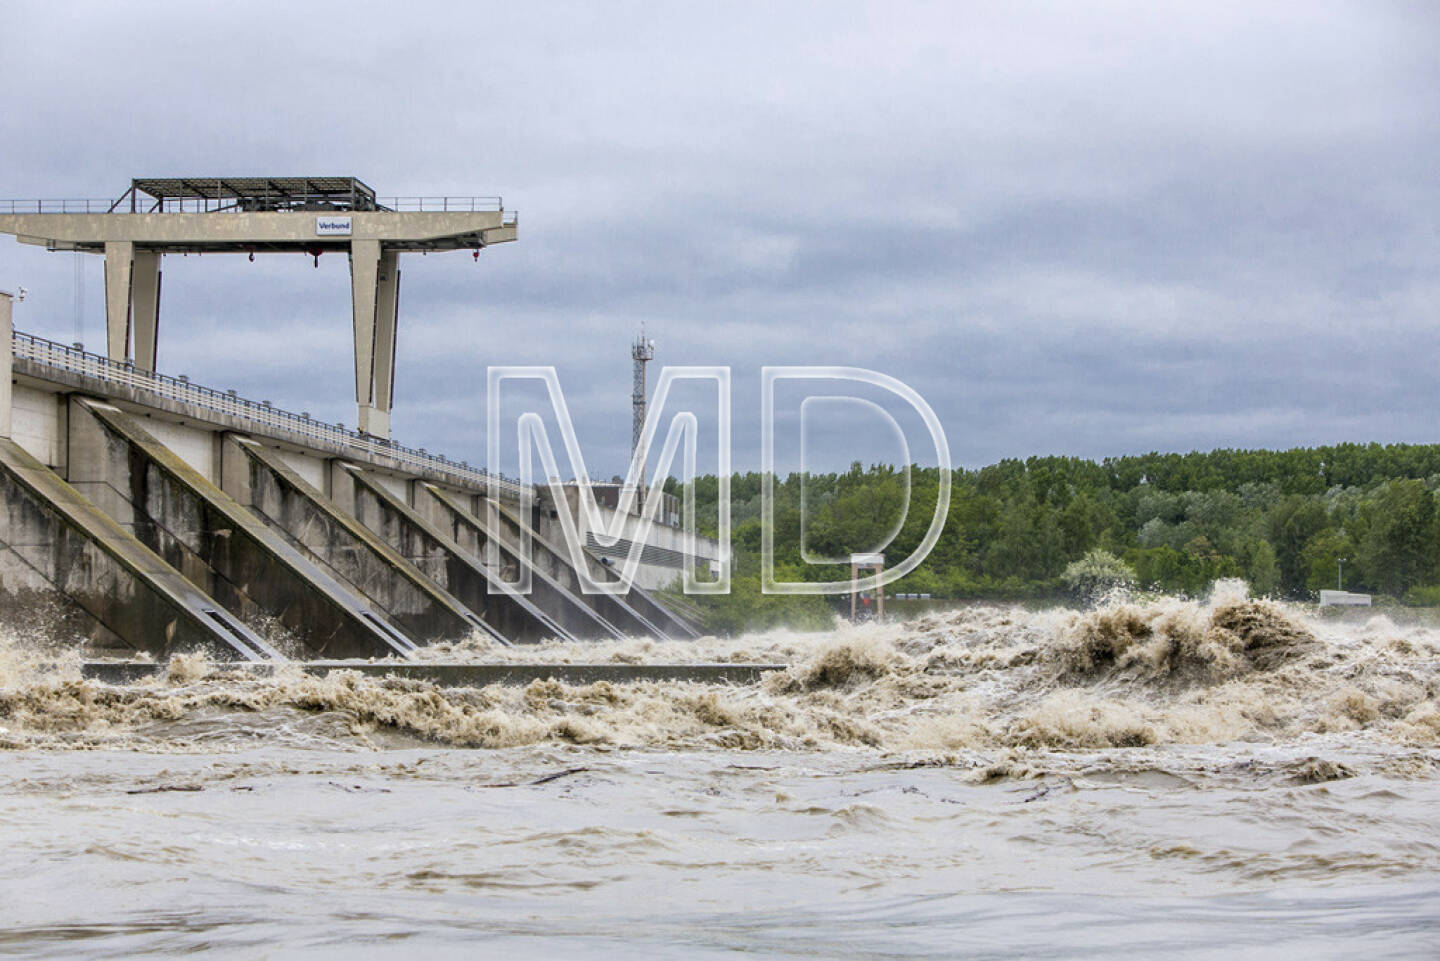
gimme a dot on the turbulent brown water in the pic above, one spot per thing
(1221, 778)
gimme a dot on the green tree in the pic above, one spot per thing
(1398, 551)
(1294, 520)
(1261, 571)
(1320, 559)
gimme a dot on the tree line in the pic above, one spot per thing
(1285, 521)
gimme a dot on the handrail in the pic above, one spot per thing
(451, 204)
(214, 205)
(52, 354)
(57, 205)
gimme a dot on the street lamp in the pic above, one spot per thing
(1340, 573)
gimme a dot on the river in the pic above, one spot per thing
(1223, 778)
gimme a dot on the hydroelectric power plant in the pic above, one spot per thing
(147, 514)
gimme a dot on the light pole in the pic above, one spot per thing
(1340, 573)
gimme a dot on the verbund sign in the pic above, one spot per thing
(332, 226)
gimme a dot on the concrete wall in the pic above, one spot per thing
(551, 571)
(399, 486)
(38, 424)
(315, 470)
(584, 616)
(195, 446)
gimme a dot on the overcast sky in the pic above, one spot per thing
(1125, 229)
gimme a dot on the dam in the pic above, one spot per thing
(148, 515)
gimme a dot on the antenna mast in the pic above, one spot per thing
(641, 352)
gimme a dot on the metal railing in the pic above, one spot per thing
(432, 204)
(213, 205)
(48, 353)
(58, 205)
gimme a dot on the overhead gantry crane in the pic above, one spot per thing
(259, 215)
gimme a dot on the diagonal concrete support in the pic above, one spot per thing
(508, 525)
(263, 482)
(554, 584)
(588, 620)
(217, 544)
(517, 617)
(66, 560)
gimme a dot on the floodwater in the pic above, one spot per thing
(1171, 778)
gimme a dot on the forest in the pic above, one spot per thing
(1288, 522)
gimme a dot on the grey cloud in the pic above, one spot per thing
(1093, 232)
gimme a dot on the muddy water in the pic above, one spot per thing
(1219, 779)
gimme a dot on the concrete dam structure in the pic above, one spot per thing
(144, 513)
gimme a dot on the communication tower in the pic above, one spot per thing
(641, 352)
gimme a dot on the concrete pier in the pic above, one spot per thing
(202, 532)
(637, 606)
(70, 564)
(518, 617)
(261, 481)
(581, 614)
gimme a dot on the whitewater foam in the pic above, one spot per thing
(1129, 673)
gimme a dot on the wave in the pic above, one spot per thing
(1130, 673)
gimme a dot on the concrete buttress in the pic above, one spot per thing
(509, 526)
(215, 543)
(346, 548)
(515, 616)
(68, 564)
(552, 571)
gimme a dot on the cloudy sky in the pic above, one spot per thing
(1073, 228)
